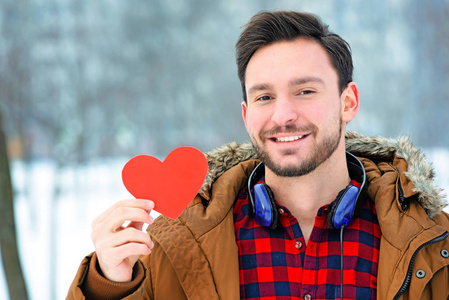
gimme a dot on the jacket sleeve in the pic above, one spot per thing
(90, 284)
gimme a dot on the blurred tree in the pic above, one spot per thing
(15, 77)
(8, 243)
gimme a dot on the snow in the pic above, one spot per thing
(85, 191)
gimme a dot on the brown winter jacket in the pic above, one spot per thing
(195, 256)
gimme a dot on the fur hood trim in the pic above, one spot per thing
(419, 171)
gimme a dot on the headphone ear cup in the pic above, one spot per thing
(342, 210)
(274, 210)
(264, 205)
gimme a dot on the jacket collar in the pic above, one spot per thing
(378, 149)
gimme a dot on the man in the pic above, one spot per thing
(311, 222)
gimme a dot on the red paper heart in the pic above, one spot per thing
(171, 184)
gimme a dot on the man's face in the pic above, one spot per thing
(294, 109)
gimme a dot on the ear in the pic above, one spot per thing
(350, 102)
(244, 110)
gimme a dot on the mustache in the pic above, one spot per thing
(287, 129)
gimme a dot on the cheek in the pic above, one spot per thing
(317, 115)
(323, 116)
(251, 125)
(254, 119)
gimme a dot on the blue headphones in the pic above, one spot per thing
(346, 207)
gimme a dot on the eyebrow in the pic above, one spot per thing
(259, 87)
(307, 79)
(293, 82)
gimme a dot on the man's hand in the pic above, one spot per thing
(118, 247)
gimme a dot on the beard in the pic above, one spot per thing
(320, 152)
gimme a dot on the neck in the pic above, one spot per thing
(304, 195)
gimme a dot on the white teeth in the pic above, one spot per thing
(289, 138)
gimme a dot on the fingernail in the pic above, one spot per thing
(150, 204)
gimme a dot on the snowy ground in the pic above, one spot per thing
(85, 192)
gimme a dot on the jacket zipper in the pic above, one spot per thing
(408, 277)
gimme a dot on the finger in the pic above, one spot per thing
(144, 204)
(115, 256)
(132, 235)
(132, 249)
(113, 222)
(126, 236)
(139, 225)
(122, 214)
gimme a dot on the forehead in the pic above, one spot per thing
(288, 60)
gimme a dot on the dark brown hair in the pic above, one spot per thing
(269, 27)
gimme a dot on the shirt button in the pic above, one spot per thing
(281, 211)
(307, 297)
(298, 245)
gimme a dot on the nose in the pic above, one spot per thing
(284, 111)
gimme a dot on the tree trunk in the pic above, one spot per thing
(8, 242)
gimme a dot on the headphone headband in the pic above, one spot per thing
(256, 174)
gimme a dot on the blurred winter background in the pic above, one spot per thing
(86, 85)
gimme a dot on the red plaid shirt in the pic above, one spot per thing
(276, 264)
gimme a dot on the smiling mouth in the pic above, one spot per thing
(286, 139)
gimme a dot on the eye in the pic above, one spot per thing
(306, 92)
(263, 98)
